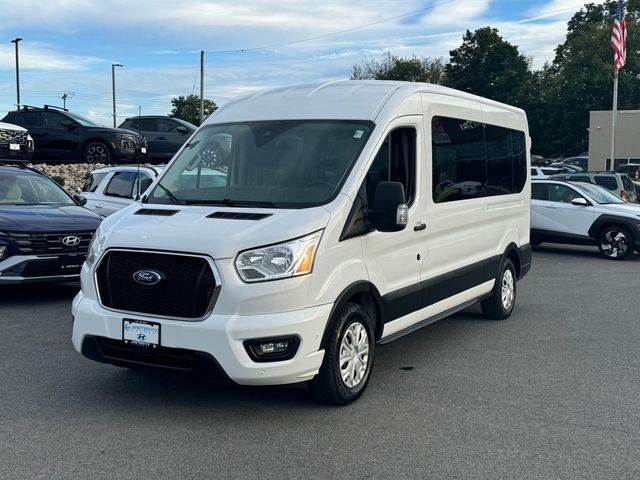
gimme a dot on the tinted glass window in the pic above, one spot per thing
(166, 125)
(143, 182)
(30, 119)
(626, 182)
(52, 119)
(607, 182)
(92, 182)
(472, 159)
(144, 124)
(580, 178)
(534, 172)
(539, 191)
(547, 171)
(121, 185)
(394, 162)
(31, 189)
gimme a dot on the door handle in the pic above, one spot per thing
(99, 205)
(419, 226)
(550, 206)
(161, 138)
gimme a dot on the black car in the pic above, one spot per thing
(165, 134)
(16, 145)
(60, 135)
(44, 232)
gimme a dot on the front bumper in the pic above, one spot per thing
(18, 269)
(218, 337)
(24, 154)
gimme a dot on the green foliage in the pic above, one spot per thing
(391, 67)
(59, 180)
(188, 108)
(489, 66)
(580, 78)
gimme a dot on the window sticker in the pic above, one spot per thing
(358, 134)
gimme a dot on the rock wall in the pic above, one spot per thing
(71, 176)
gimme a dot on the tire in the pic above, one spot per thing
(341, 382)
(96, 152)
(503, 297)
(616, 242)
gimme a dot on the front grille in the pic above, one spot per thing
(50, 243)
(13, 136)
(186, 288)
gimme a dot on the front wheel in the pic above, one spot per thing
(503, 297)
(348, 358)
(97, 152)
(616, 242)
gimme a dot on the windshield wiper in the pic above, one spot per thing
(171, 196)
(232, 203)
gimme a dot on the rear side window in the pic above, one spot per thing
(626, 182)
(473, 159)
(121, 185)
(546, 171)
(144, 124)
(92, 182)
(539, 191)
(580, 178)
(30, 119)
(607, 182)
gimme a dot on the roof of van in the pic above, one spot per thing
(343, 99)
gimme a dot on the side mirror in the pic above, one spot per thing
(182, 129)
(82, 200)
(580, 202)
(390, 212)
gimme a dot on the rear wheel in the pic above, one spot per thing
(616, 242)
(348, 358)
(503, 297)
(97, 152)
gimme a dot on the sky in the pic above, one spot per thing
(250, 45)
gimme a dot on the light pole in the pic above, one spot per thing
(16, 40)
(113, 88)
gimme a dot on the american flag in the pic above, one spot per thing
(619, 38)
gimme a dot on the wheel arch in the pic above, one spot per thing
(604, 221)
(363, 293)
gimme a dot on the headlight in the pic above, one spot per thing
(284, 260)
(96, 247)
(30, 142)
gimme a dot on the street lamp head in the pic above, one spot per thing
(117, 65)
(16, 40)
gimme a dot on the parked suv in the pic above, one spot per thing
(44, 233)
(581, 213)
(617, 183)
(109, 189)
(165, 134)
(68, 137)
(15, 143)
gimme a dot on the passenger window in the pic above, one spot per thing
(143, 182)
(30, 119)
(52, 119)
(144, 125)
(539, 191)
(121, 185)
(166, 125)
(472, 160)
(92, 182)
(562, 193)
(394, 162)
(534, 172)
(609, 183)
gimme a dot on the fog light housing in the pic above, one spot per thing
(273, 349)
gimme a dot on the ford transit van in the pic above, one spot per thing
(351, 214)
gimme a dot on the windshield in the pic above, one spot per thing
(599, 194)
(286, 164)
(85, 122)
(17, 189)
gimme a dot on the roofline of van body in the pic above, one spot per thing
(338, 100)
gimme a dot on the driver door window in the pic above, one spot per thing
(121, 185)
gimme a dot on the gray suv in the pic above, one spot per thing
(617, 183)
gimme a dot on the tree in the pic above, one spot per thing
(391, 67)
(188, 108)
(580, 78)
(487, 65)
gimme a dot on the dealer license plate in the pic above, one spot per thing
(14, 146)
(143, 149)
(141, 333)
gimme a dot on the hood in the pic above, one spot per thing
(191, 231)
(11, 126)
(44, 218)
(113, 131)
(631, 209)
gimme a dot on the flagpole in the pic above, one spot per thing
(614, 111)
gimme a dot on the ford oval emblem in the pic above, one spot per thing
(148, 277)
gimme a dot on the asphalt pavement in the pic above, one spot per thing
(552, 392)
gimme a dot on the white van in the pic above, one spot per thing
(352, 213)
